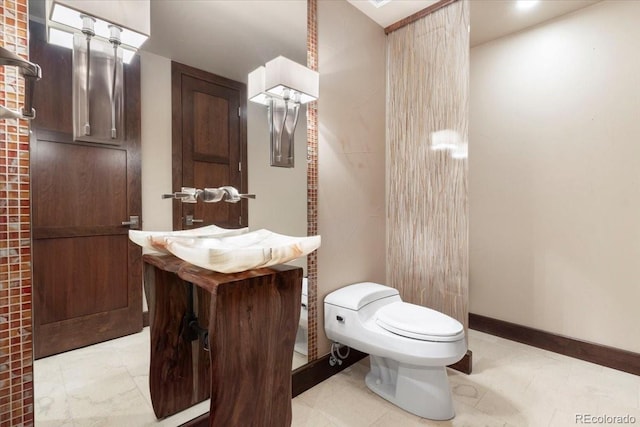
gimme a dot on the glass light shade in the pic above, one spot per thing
(283, 78)
(66, 16)
(255, 87)
(60, 38)
(127, 55)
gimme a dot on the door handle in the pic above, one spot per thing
(133, 223)
(188, 220)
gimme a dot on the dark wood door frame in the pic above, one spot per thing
(177, 71)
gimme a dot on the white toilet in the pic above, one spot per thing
(409, 345)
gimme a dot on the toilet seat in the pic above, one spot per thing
(417, 322)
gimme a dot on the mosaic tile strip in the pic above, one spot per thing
(16, 356)
(312, 182)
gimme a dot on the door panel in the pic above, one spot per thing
(209, 144)
(102, 282)
(73, 177)
(87, 275)
(211, 135)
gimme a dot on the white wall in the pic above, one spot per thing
(555, 176)
(281, 193)
(351, 151)
(155, 90)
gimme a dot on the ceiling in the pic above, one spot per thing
(228, 37)
(391, 12)
(490, 19)
(248, 33)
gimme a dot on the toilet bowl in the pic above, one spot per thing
(409, 345)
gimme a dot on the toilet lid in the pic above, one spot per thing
(421, 323)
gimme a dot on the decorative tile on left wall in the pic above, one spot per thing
(16, 355)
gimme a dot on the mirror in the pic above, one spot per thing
(229, 39)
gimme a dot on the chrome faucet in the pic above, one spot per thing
(31, 73)
(209, 195)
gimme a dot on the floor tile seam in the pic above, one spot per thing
(144, 397)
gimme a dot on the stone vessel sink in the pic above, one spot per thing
(227, 250)
(233, 254)
(155, 240)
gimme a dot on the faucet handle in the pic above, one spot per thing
(233, 196)
(186, 195)
(208, 195)
(191, 194)
(176, 195)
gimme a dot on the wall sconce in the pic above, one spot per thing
(63, 20)
(103, 35)
(282, 85)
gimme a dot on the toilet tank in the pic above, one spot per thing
(348, 309)
(354, 297)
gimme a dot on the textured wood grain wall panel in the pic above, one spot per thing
(427, 134)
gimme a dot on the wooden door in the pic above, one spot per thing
(209, 144)
(87, 284)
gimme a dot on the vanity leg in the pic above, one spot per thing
(252, 330)
(252, 320)
(179, 369)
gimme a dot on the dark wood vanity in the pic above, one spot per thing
(251, 319)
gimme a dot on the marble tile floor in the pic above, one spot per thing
(512, 385)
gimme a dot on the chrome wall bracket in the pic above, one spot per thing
(31, 73)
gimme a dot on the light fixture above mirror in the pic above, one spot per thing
(66, 17)
(282, 85)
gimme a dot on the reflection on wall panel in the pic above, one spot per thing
(427, 128)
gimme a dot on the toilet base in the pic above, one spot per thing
(422, 390)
